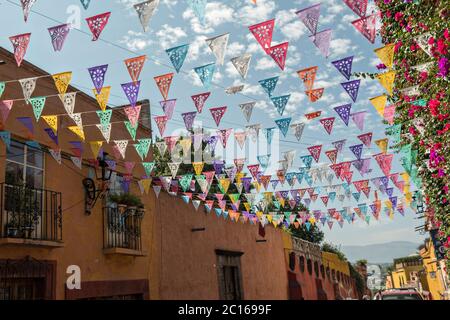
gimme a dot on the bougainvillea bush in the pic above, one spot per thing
(420, 32)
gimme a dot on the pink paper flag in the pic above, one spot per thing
(263, 33)
(20, 43)
(58, 35)
(161, 122)
(5, 108)
(133, 114)
(367, 26)
(168, 107)
(218, 113)
(224, 135)
(358, 118)
(199, 100)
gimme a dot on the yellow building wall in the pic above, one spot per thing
(435, 283)
(333, 261)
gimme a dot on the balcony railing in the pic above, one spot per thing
(122, 229)
(28, 213)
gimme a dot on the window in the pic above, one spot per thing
(24, 165)
(309, 266)
(292, 261)
(302, 264)
(316, 269)
(322, 271)
(115, 187)
(229, 275)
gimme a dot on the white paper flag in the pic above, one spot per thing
(242, 64)
(145, 11)
(218, 46)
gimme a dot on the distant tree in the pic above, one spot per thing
(359, 281)
(314, 234)
(329, 247)
(361, 262)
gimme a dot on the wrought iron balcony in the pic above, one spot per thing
(27, 213)
(122, 228)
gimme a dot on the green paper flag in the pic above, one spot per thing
(105, 116)
(2, 88)
(185, 181)
(148, 167)
(132, 130)
(38, 105)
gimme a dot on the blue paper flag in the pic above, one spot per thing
(85, 3)
(6, 138)
(206, 73)
(199, 8)
(269, 84)
(280, 103)
(268, 132)
(307, 160)
(283, 125)
(177, 55)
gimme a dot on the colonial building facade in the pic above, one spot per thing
(55, 244)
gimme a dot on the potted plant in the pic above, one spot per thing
(126, 202)
(11, 230)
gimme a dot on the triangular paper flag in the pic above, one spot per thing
(145, 11)
(218, 46)
(97, 24)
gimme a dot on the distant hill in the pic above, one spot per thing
(380, 252)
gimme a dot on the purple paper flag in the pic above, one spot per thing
(322, 41)
(131, 90)
(352, 88)
(344, 66)
(212, 142)
(246, 181)
(358, 118)
(344, 112)
(310, 17)
(58, 35)
(98, 76)
(189, 118)
(168, 107)
(393, 201)
(357, 150)
(274, 183)
(390, 191)
(27, 122)
(218, 166)
(338, 145)
(52, 135)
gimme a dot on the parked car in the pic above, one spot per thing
(399, 294)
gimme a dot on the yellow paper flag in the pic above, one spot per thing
(382, 144)
(52, 122)
(225, 183)
(379, 103)
(95, 147)
(146, 184)
(78, 131)
(405, 177)
(186, 145)
(257, 186)
(198, 167)
(386, 54)
(387, 80)
(247, 206)
(238, 177)
(103, 97)
(281, 201)
(62, 81)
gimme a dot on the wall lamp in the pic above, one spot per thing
(94, 192)
(198, 229)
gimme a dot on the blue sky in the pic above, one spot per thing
(175, 24)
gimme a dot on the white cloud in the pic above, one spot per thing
(251, 14)
(135, 41)
(217, 14)
(169, 36)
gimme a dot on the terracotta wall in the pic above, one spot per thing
(186, 260)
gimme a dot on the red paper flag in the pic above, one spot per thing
(366, 139)
(327, 124)
(315, 94)
(134, 67)
(254, 168)
(313, 115)
(263, 33)
(163, 82)
(97, 24)
(367, 26)
(315, 152)
(332, 155)
(308, 76)
(279, 53)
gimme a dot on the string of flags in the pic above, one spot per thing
(225, 189)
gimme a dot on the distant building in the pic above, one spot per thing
(374, 277)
